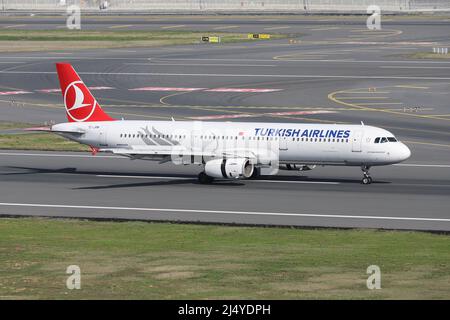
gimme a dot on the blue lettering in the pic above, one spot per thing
(333, 133)
(270, 134)
(316, 133)
(277, 133)
(288, 133)
(321, 134)
(256, 131)
(305, 134)
(340, 132)
(296, 132)
(347, 133)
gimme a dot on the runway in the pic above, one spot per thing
(78, 185)
(337, 73)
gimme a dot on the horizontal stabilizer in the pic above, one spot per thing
(49, 129)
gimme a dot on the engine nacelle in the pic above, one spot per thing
(297, 167)
(233, 168)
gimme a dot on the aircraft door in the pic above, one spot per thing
(357, 141)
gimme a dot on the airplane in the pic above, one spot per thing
(225, 150)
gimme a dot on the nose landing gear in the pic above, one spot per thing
(367, 179)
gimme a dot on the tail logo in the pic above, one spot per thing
(79, 103)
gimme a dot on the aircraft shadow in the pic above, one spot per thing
(183, 179)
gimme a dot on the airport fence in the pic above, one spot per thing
(237, 6)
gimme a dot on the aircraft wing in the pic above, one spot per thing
(179, 151)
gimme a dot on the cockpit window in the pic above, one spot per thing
(384, 139)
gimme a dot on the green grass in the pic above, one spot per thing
(35, 40)
(171, 261)
(112, 35)
(35, 141)
(39, 141)
(4, 125)
(427, 55)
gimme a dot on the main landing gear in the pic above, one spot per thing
(367, 179)
(203, 178)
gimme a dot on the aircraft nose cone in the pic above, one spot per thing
(405, 153)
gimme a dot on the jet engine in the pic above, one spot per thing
(233, 168)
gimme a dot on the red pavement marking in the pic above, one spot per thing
(59, 90)
(10, 93)
(235, 116)
(166, 89)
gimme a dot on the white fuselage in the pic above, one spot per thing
(294, 143)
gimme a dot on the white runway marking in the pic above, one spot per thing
(231, 59)
(242, 90)
(225, 27)
(312, 60)
(413, 67)
(202, 211)
(423, 165)
(175, 26)
(277, 28)
(295, 182)
(142, 177)
(300, 76)
(197, 64)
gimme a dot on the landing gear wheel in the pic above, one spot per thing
(203, 178)
(367, 179)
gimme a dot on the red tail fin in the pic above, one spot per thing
(79, 102)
